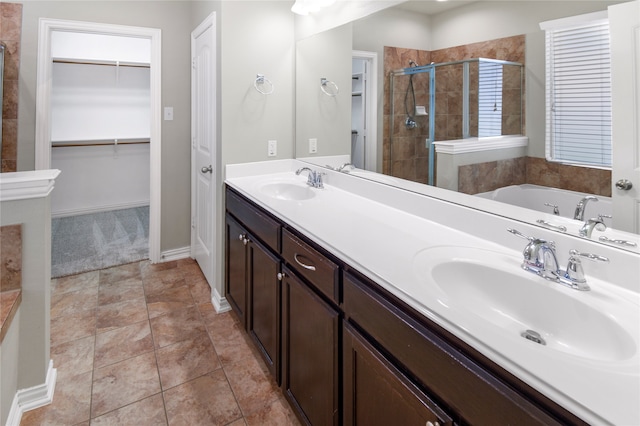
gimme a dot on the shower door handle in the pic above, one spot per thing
(207, 169)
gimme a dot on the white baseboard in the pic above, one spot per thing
(34, 397)
(220, 304)
(98, 209)
(175, 254)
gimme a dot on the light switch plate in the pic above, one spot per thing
(168, 113)
(272, 148)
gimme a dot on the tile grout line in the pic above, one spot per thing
(153, 345)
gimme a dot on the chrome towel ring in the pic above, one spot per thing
(328, 87)
(263, 85)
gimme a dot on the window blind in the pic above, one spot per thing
(578, 98)
(489, 99)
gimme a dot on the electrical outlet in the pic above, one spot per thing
(313, 145)
(168, 113)
(272, 148)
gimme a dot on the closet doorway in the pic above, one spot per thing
(98, 105)
(364, 110)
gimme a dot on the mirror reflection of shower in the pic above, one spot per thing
(471, 98)
(2, 49)
(410, 108)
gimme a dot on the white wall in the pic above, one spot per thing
(95, 103)
(9, 364)
(100, 178)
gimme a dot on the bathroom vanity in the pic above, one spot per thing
(329, 285)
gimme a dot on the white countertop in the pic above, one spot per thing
(385, 232)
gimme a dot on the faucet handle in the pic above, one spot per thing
(575, 273)
(590, 256)
(556, 210)
(532, 240)
(520, 234)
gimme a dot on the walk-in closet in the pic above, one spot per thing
(100, 134)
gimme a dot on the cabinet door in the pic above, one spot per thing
(310, 353)
(376, 393)
(236, 276)
(264, 304)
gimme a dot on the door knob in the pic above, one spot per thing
(207, 169)
(624, 184)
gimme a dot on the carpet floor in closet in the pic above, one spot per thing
(100, 240)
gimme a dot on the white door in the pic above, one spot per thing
(367, 143)
(203, 158)
(624, 21)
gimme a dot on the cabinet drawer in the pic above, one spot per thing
(464, 386)
(311, 264)
(260, 224)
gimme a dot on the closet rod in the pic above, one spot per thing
(97, 62)
(101, 142)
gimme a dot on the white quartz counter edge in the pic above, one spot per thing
(380, 242)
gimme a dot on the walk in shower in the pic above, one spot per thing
(473, 98)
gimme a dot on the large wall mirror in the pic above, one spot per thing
(480, 132)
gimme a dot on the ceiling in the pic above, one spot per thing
(432, 7)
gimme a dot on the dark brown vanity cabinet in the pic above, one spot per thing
(464, 383)
(252, 269)
(236, 267)
(377, 393)
(310, 364)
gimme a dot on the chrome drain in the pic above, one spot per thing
(534, 336)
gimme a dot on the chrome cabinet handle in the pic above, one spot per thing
(281, 276)
(207, 169)
(243, 238)
(304, 265)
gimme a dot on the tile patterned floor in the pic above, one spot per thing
(141, 344)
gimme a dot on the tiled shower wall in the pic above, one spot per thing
(10, 33)
(409, 155)
(483, 177)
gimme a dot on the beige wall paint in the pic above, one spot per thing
(256, 37)
(33, 317)
(253, 37)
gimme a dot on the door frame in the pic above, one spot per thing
(371, 98)
(43, 106)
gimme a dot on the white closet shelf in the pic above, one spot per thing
(100, 142)
(100, 62)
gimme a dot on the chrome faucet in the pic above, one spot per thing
(314, 178)
(345, 166)
(582, 204)
(590, 224)
(540, 258)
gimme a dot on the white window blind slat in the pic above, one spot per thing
(489, 99)
(578, 98)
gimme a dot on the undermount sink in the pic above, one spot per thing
(288, 191)
(492, 288)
